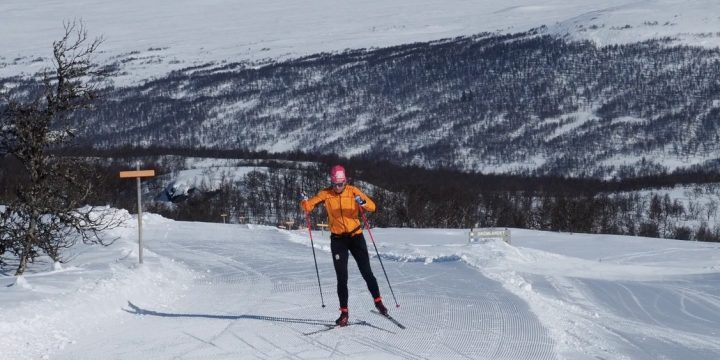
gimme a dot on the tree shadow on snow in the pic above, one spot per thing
(134, 309)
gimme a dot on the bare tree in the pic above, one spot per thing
(49, 212)
(711, 210)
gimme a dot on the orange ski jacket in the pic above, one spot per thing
(341, 208)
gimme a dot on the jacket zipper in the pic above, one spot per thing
(342, 218)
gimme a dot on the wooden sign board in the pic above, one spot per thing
(137, 173)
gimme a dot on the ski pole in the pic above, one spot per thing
(367, 226)
(312, 245)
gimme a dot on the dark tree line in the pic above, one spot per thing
(418, 197)
(436, 199)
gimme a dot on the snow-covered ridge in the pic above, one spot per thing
(149, 39)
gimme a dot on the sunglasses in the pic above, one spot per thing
(338, 185)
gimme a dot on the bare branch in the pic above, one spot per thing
(50, 212)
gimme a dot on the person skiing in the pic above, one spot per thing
(343, 203)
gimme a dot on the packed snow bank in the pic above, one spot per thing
(43, 311)
(589, 256)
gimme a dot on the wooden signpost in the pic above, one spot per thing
(138, 174)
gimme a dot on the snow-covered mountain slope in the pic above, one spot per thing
(545, 106)
(241, 291)
(518, 103)
(151, 38)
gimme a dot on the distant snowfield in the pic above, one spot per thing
(152, 38)
(225, 291)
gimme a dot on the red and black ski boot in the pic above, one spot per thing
(380, 307)
(344, 317)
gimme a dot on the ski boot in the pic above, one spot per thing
(380, 307)
(344, 317)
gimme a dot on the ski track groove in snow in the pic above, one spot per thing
(255, 295)
(640, 318)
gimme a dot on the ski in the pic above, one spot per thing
(334, 326)
(327, 328)
(392, 319)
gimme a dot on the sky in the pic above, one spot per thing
(228, 291)
(154, 37)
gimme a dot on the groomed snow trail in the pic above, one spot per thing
(255, 295)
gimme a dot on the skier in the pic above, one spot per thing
(343, 203)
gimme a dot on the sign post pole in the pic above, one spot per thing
(139, 196)
(138, 174)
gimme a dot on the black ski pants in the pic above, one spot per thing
(340, 245)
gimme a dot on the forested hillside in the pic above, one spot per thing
(522, 103)
(263, 188)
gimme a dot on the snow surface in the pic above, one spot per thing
(154, 37)
(225, 291)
